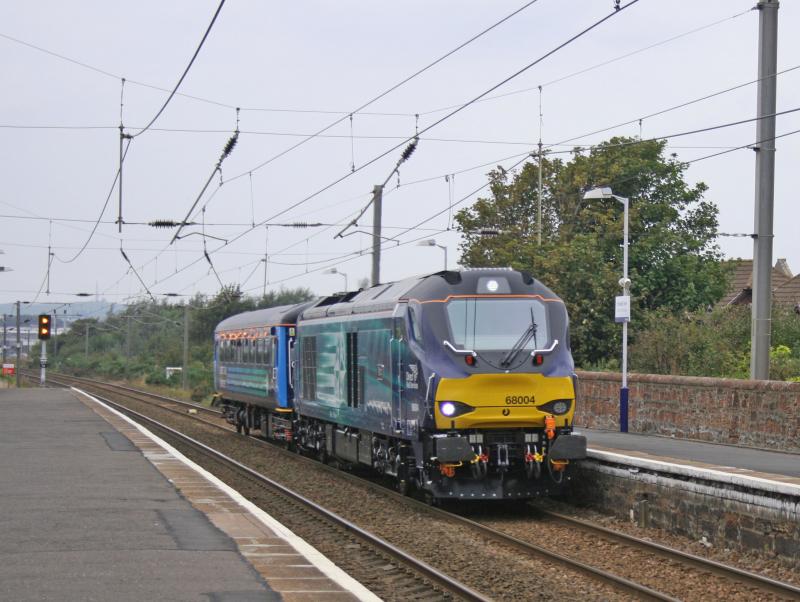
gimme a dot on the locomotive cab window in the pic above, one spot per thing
(416, 331)
(487, 324)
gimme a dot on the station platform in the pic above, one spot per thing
(93, 507)
(737, 461)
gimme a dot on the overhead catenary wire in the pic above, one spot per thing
(449, 115)
(635, 142)
(115, 76)
(355, 255)
(517, 73)
(191, 96)
(598, 65)
(407, 152)
(391, 89)
(347, 112)
(226, 151)
(99, 217)
(185, 72)
(518, 163)
(133, 269)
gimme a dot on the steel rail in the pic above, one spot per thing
(440, 579)
(718, 568)
(643, 592)
(190, 404)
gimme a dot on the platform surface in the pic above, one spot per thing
(762, 463)
(92, 509)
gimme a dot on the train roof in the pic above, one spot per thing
(432, 287)
(271, 316)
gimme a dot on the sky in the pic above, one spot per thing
(294, 68)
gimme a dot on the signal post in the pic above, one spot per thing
(45, 328)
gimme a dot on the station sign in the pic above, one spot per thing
(622, 309)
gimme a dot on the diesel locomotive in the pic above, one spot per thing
(459, 384)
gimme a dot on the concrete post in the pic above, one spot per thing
(185, 370)
(377, 203)
(761, 322)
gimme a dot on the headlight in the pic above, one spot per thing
(451, 409)
(448, 408)
(557, 406)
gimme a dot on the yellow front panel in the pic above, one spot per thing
(503, 400)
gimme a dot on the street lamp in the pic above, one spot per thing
(335, 271)
(622, 312)
(430, 242)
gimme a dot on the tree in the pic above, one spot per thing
(147, 336)
(674, 262)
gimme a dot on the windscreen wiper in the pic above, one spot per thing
(530, 333)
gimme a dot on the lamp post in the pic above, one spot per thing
(622, 311)
(335, 271)
(430, 242)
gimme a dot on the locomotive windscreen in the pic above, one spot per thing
(496, 324)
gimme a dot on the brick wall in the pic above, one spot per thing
(756, 413)
(725, 517)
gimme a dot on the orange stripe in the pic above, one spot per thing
(243, 332)
(449, 297)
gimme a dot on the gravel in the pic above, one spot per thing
(494, 569)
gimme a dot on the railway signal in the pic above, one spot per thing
(44, 327)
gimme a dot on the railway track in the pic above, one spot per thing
(409, 577)
(518, 534)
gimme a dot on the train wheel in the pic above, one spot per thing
(402, 486)
(241, 423)
(430, 500)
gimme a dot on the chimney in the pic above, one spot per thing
(782, 267)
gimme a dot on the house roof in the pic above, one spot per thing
(742, 280)
(788, 292)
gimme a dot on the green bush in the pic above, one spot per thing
(715, 343)
(157, 376)
(200, 392)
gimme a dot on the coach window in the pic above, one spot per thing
(272, 345)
